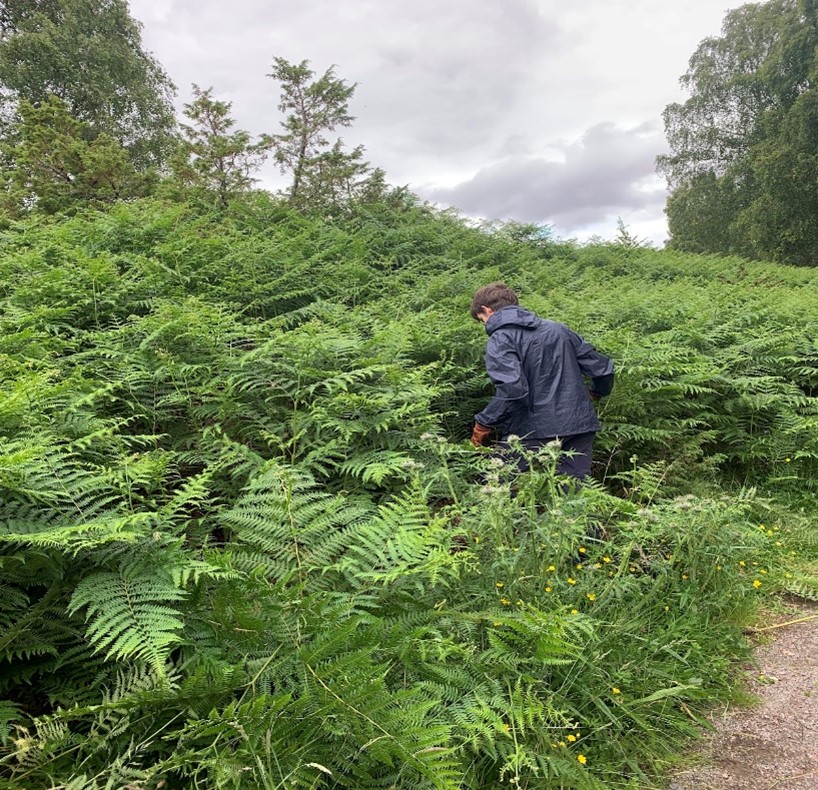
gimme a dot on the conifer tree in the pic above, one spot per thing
(215, 161)
(55, 163)
(322, 173)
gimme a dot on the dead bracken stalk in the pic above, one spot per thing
(782, 625)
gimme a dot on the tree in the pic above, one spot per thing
(783, 220)
(89, 54)
(702, 216)
(53, 166)
(741, 166)
(214, 161)
(322, 173)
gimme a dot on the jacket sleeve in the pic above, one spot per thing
(505, 369)
(596, 366)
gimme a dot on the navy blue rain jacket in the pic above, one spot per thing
(538, 367)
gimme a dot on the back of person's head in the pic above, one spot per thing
(494, 295)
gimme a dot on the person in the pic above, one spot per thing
(539, 368)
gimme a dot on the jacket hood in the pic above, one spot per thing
(512, 316)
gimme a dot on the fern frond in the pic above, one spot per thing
(128, 613)
(301, 530)
(403, 542)
(805, 587)
(9, 713)
(377, 466)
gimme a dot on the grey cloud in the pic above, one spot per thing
(432, 76)
(477, 93)
(607, 171)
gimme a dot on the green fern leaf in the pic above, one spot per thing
(128, 613)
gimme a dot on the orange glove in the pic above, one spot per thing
(479, 434)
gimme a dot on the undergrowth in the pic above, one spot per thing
(244, 543)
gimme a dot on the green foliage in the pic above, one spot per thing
(88, 54)
(323, 174)
(214, 161)
(129, 618)
(58, 165)
(244, 543)
(742, 164)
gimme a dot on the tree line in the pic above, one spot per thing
(87, 119)
(743, 159)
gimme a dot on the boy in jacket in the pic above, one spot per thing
(539, 369)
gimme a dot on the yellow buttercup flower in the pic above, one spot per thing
(756, 584)
(571, 581)
(582, 759)
(606, 559)
(499, 585)
(591, 596)
(616, 690)
(582, 550)
(572, 738)
(548, 589)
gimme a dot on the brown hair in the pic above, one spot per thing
(494, 295)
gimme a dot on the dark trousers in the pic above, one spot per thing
(577, 465)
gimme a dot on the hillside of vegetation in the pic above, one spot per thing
(244, 542)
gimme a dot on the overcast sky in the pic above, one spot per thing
(543, 111)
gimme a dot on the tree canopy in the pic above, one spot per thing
(89, 54)
(742, 165)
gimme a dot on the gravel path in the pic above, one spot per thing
(773, 746)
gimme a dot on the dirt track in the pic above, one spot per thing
(773, 746)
